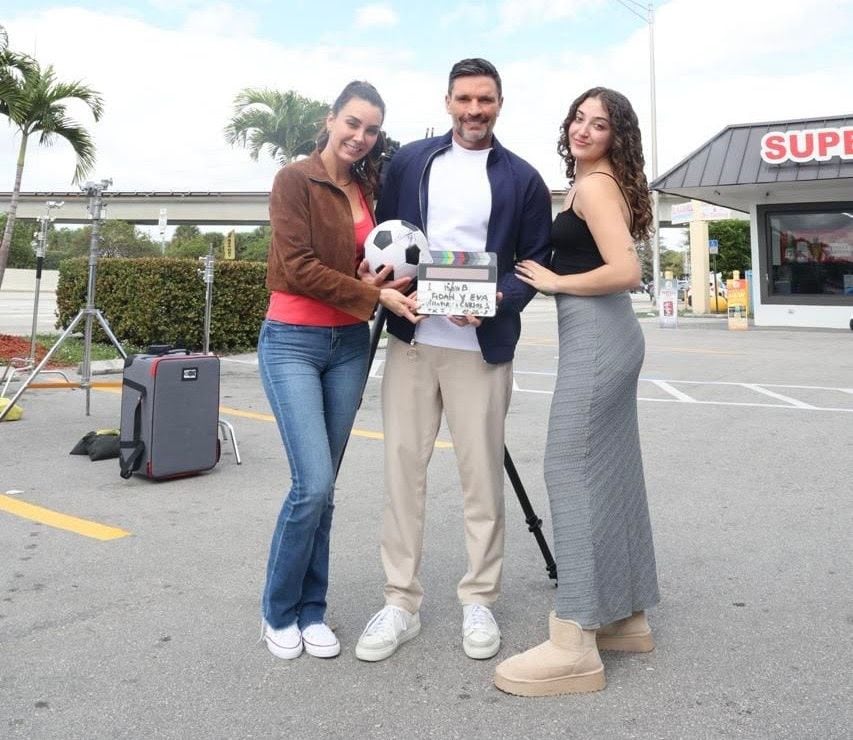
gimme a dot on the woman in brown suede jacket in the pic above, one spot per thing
(313, 353)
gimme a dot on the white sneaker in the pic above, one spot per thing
(320, 641)
(385, 632)
(285, 643)
(481, 637)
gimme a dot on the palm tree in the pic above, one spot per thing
(35, 103)
(12, 66)
(283, 123)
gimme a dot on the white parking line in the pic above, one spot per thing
(778, 396)
(664, 386)
(678, 396)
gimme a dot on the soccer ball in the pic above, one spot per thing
(396, 243)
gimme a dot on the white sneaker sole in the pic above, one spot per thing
(282, 651)
(482, 652)
(322, 651)
(373, 655)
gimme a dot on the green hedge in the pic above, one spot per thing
(161, 301)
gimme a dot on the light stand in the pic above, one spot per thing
(25, 364)
(207, 275)
(95, 193)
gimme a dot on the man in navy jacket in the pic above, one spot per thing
(467, 193)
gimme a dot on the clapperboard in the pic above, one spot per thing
(458, 283)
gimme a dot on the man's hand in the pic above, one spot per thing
(467, 319)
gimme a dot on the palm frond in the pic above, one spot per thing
(282, 124)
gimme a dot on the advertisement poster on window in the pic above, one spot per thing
(738, 304)
(811, 252)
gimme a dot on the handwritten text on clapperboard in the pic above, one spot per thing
(456, 298)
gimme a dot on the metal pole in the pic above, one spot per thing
(655, 217)
(85, 367)
(208, 296)
(716, 304)
(42, 240)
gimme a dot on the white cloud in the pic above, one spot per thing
(168, 94)
(515, 13)
(376, 15)
(465, 14)
(221, 19)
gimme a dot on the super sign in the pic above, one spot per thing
(818, 144)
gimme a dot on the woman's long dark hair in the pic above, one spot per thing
(367, 168)
(625, 155)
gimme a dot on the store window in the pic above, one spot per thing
(810, 250)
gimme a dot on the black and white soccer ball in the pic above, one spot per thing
(397, 243)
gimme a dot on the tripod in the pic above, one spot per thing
(25, 364)
(95, 193)
(534, 523)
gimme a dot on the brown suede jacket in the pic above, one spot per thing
(312, 252)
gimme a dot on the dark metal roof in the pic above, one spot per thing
(728, 169)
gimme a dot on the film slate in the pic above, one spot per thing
(458, 283)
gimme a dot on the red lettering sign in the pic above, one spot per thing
(807, 145)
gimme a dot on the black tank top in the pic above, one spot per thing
(574, 249)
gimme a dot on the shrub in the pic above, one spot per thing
(161, 301)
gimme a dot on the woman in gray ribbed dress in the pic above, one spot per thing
(593, 465)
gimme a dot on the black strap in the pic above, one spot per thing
(131, 462)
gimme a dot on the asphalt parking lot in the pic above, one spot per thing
(153, 632)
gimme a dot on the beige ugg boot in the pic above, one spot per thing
(631, 634)
(568, 663)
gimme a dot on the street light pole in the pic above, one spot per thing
(654, 121)
(649, 18)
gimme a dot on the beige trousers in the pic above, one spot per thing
(419, 382)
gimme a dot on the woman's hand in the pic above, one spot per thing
(539, 277)
(377, 279)
(399, 304)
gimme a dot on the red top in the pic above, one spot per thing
(290, 308)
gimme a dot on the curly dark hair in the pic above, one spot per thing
(626, 154)
(367, 168)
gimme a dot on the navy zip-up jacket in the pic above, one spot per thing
(519, 229)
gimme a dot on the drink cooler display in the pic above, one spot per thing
(169, 415)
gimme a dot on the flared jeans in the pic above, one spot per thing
(313, 377)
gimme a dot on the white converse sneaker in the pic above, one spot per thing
(320, 641)
(385, 632)
(285, 643)
(481, 637)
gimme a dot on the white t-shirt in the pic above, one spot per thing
(458, 211)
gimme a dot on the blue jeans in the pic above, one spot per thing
(313, 377)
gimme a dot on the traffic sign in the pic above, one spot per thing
(713, 246)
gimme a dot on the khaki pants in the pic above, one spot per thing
(418, 383)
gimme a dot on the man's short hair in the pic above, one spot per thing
(474, 68)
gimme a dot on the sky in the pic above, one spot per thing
(169, 71)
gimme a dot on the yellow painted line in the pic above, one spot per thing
(100, 384)
(269, 417)
(355, 432)
(60, 521)
(246, 414)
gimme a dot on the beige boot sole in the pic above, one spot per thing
(644, 643)
(578, 684)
